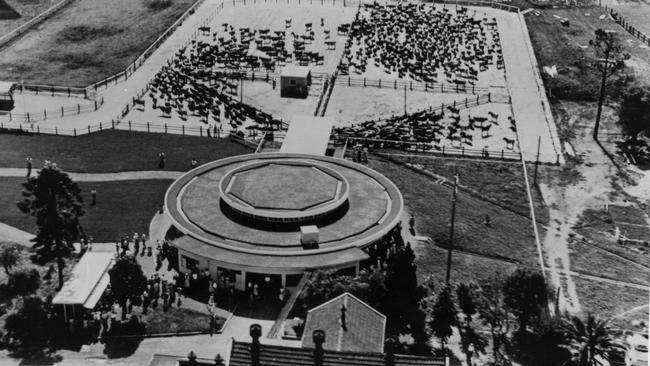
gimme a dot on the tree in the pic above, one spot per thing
(127, 281)
(611, 54)
(9, 256)
(55, 201)
(589, 340)
(24, 281)
(471, 341)
(526, 295)
(634, 112)
(443, 316)
(491, 310)
(29, 325)
(403, 294)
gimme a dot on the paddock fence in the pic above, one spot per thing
(53, 90)
(43, 115)
(250, 139)
(491, 4)
(17, 32)
(410, 85)
(627, 26)
(412, 148)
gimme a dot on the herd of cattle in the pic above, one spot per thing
(437, 129)
(420, 42)
(424, 43)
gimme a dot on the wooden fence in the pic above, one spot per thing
(35, 116)
(627, 26)
(33, 22)
(410, 85)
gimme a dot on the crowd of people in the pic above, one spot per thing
(424, 43)
(434, 130)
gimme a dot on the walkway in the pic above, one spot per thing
(14, 235)
(116, 97)
(101, 177)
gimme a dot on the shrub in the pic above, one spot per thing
(24, 281)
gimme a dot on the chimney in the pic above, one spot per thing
(255, 333)
(344, 324)
(389, 357)
(218, 361)
(191, 358)
(319, 338)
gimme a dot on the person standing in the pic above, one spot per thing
(161, 160)
(28, 161)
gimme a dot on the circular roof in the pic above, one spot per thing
(248, 210)
(283, 190)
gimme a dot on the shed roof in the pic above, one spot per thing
(308, 135)
(364, 331)
(5, 87)
(88, 280)
(295, 71)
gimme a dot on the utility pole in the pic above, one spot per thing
(601, 97)
(539, 141)
(451, 228)
(241, 90)
(405, 100)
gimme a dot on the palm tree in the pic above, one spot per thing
(590, 340)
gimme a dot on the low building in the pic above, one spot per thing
(6, 96)
(86, 284)
(295, 81)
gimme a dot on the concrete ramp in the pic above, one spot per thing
(308, 135)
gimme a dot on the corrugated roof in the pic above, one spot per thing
(86, 278)
(271, 355)
(364, 330)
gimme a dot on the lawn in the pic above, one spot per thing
(123, 207)
(88, 41)
(502, 182)
(176, 320)
(509, 236)
(608, 300)
(568, 48)
(591, 260)
(14, 13)
(114, 150)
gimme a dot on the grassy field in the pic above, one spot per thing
(608, 301)
(88, 41)
(14, 13)
(123, 207)
(113, 150)
(589, 259)
(502, 182)
(568, 48)
(508, 241)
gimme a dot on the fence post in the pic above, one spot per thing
(443, 150)
(395, 84)
(85, 93)
(52, 91)
(129, 125)
(201, 131)
(100, 126)
(68, 92)
(490, 98)
(95, 104)
(44, 114)
(148, 130)
(465, 102)
(113, 124)
(463, 151)
(501, 154)
(183, 128)
(88, 128)
(38, 129)
(27, 116)
(477, 100)
(165, 127)
(78, 109)
(56, 130)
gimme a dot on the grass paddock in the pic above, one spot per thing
(123, 207)
(114, 150)
(88, 41)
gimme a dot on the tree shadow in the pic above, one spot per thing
(124, 339)
(7, 12)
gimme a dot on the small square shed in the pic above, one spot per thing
(295, 81)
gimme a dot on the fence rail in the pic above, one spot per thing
(52, 90)
(31, 117)
(492, 4)
(393, 147)
(627, 26)
(17, 32)
(417, 86)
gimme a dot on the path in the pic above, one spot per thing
(101, 177)
(116, 97)
(14, 235)
(530, 107)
